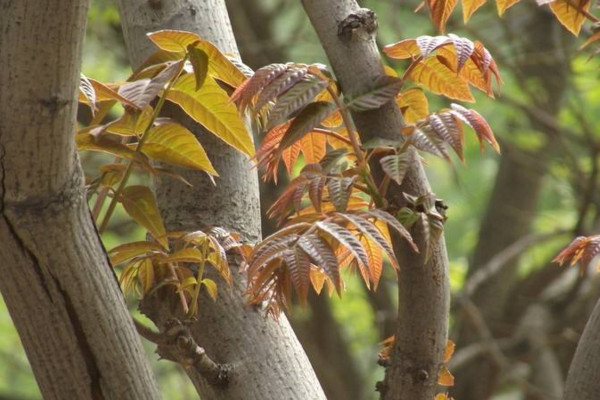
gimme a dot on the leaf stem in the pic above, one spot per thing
(138, 149)
(182, 299)
(360, 156)
(349, 125)
(194, 302)
(410, 68)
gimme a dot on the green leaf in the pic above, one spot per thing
(308, 119)
(211, 288)
(384, 89)
(188, 285)
(173, 144)
(199, 60)
(140, 204)
(131, 250)
(210, 106)
(396, 166)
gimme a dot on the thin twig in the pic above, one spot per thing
(501, 259)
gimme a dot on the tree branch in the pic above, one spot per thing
(347, 34)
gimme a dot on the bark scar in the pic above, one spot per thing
(11, 228)
(363, 20)
(82, 342)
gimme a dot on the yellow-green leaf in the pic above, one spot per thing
(211, 288)
(199, 60)
(210, 106)
(112, 174)
(146, 275)
(173, 41)
(219, 66)
(173, 144)
(131, 123)
(188, 284)
(140, 204)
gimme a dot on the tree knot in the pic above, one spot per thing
(360, 24)
(176, 343)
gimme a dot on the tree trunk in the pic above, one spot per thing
(582, 380)
(267, 360)
(56, 279)
(423, 286)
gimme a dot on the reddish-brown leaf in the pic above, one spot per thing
(478, 123)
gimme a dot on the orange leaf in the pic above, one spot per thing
(570, 14)
(413, 104)
(450, 346)
(469, 7)
(440, 11)
(375, 256)
(504, 5)
(402, 50)
(445, 378)
(439, 79)
(313, 146)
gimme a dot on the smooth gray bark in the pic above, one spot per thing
(55, 276)
(268, 361)
(582, 380)
(423, 287)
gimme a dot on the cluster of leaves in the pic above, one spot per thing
(572, 14)
(148, 266)
(194, 75)
(582, 250)
(334, 213)
(447, 65)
